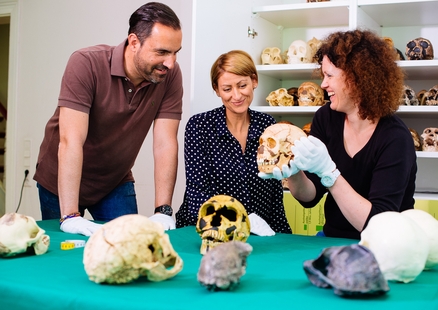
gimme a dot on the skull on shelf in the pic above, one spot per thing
(416, 138)
(280, 97)
(271, 56)
(128, 247)
(430, 97)
(314, 44)
(222, 219)
(19, 233)
(430, 139)
(419, 49)
(275, 146)
(299, 52)
(310, 94)
(408, 96)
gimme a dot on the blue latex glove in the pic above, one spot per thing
(287, 171)
(312, 155)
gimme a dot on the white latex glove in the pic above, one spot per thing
(312, 155)
(167, 221)
(259, 226)
(79, 225)
(285, 172)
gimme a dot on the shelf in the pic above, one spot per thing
(397, 13)
(414, 69)
(312, 14)
(421, 154)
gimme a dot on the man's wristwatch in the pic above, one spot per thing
(329, 179)
(164, 209)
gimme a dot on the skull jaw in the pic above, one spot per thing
(268, 165)
(213, 238)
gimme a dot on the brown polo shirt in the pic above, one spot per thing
(94, 82)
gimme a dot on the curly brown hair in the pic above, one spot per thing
(368, 62)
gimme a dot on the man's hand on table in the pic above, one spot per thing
(79, 225)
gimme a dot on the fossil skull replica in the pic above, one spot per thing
(310, 94)
(350, 270)
(128, 247)
(408, 96)
(430, 226)
(400, 246)
(314, 44)
(430, 139)
(222, 267)
(20, 233)
(280, 97)
(416, 138)
(430, 97)
(299, 52)
(221, 219)
(271, 56)
(306, 128)
(275, 146)
(419, 49)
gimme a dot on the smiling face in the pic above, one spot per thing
(335, 84)
(236, 92)
(157, 54)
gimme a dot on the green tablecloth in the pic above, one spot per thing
(274, 278)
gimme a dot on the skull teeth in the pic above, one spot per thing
(265, 162)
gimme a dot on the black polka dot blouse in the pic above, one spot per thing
(215, 165)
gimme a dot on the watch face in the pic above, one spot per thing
(327, 181)
(164, 209)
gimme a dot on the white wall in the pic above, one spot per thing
(44, 34)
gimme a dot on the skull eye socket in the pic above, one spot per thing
(209, 210)
(411, 44)
(424, 44)
(271, 143)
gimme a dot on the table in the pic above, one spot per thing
(274, 279)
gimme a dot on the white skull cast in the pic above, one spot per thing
(222, 219)
(271, 56)
(280, 97)
(310, 94)
(299, 52)
(419, 49)
(128, 247)
(275, 146)
(20, 233)
(430, 139)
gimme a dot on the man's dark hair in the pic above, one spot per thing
(145, 17)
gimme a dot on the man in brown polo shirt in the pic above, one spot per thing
(109, 98)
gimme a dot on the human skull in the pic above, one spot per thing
(271, 56)
(416, 138)
(222, 218)
(399, 245)
(419, 49)
(299, 52)
(306, 128)
(20, 233)
(310, 94)
(275, 146)
(222, 267)
(430, 97)
(128, 247)
(430, 226)
(420, 96)
(280, 97)
(430, 139)
(408, 96)
(314, 44)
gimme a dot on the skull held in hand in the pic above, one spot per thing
(19, 233)
(128, 247)
(222, 267)
(310, 94)
(430, 139)
(221, 219)
(275, 146)
(419, 49)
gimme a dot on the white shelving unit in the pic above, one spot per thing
(399, 19)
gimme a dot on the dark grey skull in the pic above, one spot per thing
(350, 270)
(419, 49)
(431, 96)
